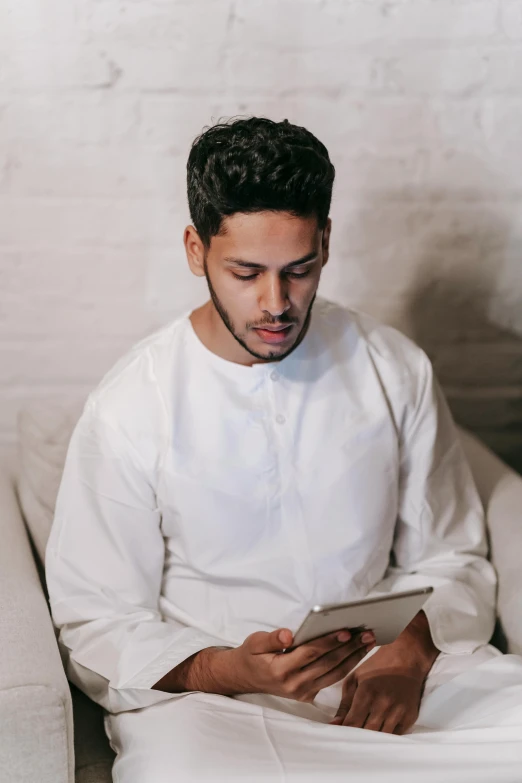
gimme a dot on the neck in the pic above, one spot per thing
(212, 332)
(209, 327)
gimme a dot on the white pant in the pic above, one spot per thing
(469, 730)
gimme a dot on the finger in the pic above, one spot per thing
(372, 723)
(313, 651)
(359, 711)
(405, 724)
(329, 659)
(392, 722)
(349, 688)
(374, 720)
(310, 652)
(338, 672)
(356, 720)
(263, 642)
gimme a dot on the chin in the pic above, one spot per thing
(273, 351)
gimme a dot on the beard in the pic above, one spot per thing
(225, 317)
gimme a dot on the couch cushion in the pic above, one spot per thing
(44, 431)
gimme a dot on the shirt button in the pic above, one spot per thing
(280, 418)
(274, 375)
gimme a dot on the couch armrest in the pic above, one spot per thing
(505, 534)
(36, 739)
(500, 489)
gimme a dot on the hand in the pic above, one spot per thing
(380, 697)
(384, 693)
(257, 666)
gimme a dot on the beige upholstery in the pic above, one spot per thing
(44, 431)
(36, 735)
(500, 489)
(36, 740)
(37, 713)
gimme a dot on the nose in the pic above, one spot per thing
(274, 296)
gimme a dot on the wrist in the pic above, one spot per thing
(199, 672)
(215, 670)
(416, 645)
(205, 672)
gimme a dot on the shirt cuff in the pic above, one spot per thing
(171, 657)
(454, 632)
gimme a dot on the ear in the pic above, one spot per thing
(326, 240)
(195, 251)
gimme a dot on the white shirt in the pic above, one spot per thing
(203, 500)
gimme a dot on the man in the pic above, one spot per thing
(264, 453)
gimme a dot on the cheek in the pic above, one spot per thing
(237, 300)
(302, 293)
(244, 311)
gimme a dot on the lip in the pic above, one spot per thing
(272, 336)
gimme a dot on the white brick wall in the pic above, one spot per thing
(418, 101)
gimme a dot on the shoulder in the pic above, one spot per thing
(130, 396)
(394, 356)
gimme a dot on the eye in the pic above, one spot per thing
(244, 277)
(289, 274)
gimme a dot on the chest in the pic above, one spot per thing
(286, 472)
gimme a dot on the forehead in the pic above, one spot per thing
(266, 236)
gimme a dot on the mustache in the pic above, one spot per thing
(281, 322)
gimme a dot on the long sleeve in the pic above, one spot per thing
(440, 537)
(104, 568)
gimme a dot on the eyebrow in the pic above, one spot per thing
(252, 265)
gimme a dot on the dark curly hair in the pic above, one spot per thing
(256, 164)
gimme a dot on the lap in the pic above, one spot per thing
(207, 737)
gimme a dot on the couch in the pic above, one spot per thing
(49, 731)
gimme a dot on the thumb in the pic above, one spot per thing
(349, 688)
(267, 642)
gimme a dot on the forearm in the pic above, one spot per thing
(207, 670)
(415, 643)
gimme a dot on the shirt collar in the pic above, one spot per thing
(241, 372)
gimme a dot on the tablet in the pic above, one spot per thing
(386, 615)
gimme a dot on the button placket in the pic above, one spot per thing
(274, 376)
(290, 506)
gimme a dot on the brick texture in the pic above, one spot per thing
(418, 102)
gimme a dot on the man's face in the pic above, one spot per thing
(263, 273)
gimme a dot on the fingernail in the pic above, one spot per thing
(368, 637)
(336, 722)
(344, 636)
